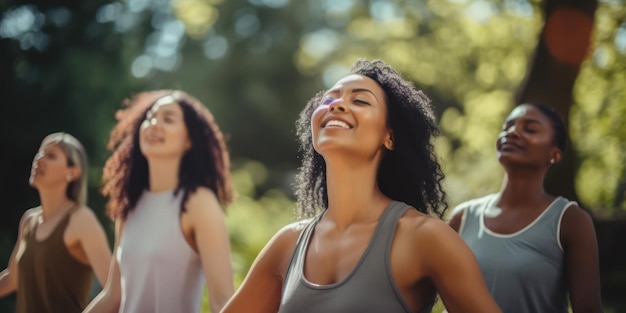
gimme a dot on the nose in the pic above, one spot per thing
(150, 122)
(337, 105)
(511, 131)
(37, 158)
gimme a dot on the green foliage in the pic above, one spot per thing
(255, 63)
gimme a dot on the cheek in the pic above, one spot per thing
(179, 136)
(316, 117)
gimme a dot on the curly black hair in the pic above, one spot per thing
(409, 173)
(206, 163)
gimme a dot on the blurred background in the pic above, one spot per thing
(68, 65)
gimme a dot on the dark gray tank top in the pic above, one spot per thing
(370, 286)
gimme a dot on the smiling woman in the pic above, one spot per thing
(168, 183)
(371, 181)
(535, 250)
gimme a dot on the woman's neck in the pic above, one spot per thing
(520, 188)
(54, 201)
(163, 174)
(353, 193)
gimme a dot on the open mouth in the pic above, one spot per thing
(337, 123)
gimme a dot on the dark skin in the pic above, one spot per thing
(526, 150)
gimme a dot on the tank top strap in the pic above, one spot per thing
(62, 225)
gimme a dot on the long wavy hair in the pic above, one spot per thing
(409, 173)
(76, 157)
(206, 163)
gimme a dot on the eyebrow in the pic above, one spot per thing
(524, 119)
(355, 90)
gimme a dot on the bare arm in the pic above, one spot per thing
(454, 270)
(579, 242)
(261, 290)
(94, 242)
(8, 277)
(212, 243)
(108, 300)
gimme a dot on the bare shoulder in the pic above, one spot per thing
(574, 213)
(83, 222)
(27, 217)
(278, 251)
(420, 226)
(291, 232)
(29, 214)
(428, 233)
(203, 199)
(84, 215)
(576, 222)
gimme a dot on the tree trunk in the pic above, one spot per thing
(562, 46)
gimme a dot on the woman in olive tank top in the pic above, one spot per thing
(60, 243)
(378, 243)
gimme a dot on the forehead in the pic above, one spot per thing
(358, 81)
(525, 111)
(52, 146)
(167, 103)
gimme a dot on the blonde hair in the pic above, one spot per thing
(76, 157)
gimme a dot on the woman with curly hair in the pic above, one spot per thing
(61, 243)
(167, 181)
(377, 243)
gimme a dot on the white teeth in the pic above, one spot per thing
(337, 123)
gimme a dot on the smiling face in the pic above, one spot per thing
(527, 138)
(163, 133)
(352, 115)
(51, 167)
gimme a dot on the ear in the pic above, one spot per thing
(187, 145)
(555, 156)
(74, 173)
(389, 141)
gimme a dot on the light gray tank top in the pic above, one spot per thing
(160, 272)
(524, 271)
(370, 287)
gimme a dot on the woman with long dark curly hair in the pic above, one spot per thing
(378, 243)
(167, 181)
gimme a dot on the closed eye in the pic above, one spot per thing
(361, 101)
(327, 100)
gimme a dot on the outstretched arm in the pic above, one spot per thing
(454, 270)
(213, 245)
(108, 300)
(8, 277)
(261, 290)
(94, 242)
(578, 238)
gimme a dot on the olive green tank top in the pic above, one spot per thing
(49, 278)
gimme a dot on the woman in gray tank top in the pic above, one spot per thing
(535, 250)
(167, 181)
(377, 244)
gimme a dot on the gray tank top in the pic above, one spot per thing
(160, 272)
(370, 286)
(524, 271)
